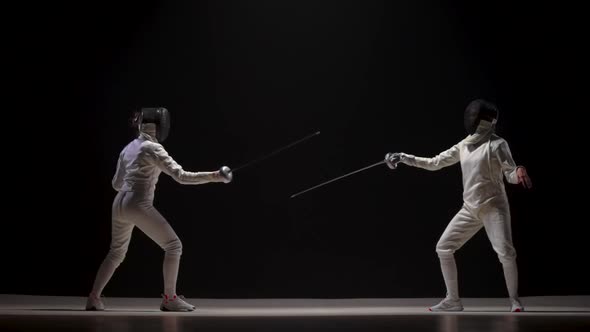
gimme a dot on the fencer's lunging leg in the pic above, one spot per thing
(449, 271)
(461, 228)
(511, 276)
(173, 251)
(155, 226)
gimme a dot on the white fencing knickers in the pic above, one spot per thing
(495, 218)
(135, 208)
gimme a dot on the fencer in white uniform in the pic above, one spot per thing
(485, 159)
(138, 168)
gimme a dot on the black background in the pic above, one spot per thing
(242, 78)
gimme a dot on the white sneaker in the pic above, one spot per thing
(448, 304)
(516, 305)
(175, 303)
(94, 303)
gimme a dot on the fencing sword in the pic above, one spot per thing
(252, 162)
(338, 178)
(228, 173)
(392, 163)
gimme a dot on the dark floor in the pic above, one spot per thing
(174, 323)
(37, 313)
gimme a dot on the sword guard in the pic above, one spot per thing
(226, 173)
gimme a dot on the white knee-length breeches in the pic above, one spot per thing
(132, 209)
(495, 218)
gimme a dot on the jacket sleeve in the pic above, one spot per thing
(507, 163)
(443, 159)
(170, 167)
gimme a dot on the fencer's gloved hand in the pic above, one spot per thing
(392, 159)
(523, 177)
(226, 174)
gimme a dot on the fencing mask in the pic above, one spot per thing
(160, 117)
(479, 110)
